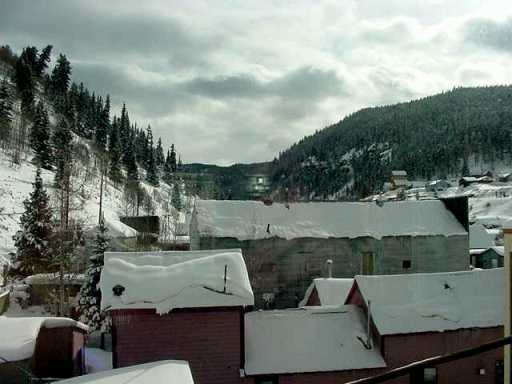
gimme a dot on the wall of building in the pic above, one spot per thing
(399, 350)
(285, 268)
(320, 377)
(209, 339)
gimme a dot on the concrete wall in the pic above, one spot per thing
(210, 339)
(285, 268)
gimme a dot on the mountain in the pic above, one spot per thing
(437, 136)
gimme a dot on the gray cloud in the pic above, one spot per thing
(490, 33)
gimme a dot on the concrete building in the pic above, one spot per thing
(487, 258)
(286, 245)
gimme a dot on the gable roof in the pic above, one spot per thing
(176, 279)
(307, 340)
(331, 291)
(246, 220)
(160, 372)
(479, 237)
(434, 302)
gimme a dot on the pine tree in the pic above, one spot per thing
(172, 160)
(42, 62)
(151, 174)
(90, 295)
(176, 196)
(32, 241)
(103, 125)
(167, 173)
(40, 138)
(62, 150)
(132, 172)
(5, 113)
(160, 158)
(61, 76)
(124, 130)
(114, 171)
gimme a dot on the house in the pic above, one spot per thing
(178, 305)
(487, 258)
(440, 185)
(417, 316)
(314, 345)
(286, 245)
(505, 177)
(258, 186)
(327, 292)
(161, 372)
(399, 179)
(40, 347)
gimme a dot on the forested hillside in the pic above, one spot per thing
(431, 137)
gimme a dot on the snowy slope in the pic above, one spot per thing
(16, 185)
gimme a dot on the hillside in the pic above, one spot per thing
(437, 136)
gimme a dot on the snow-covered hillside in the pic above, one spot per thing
(16, 185)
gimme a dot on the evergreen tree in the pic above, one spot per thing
(42, 62)
(160, 158)
(40, 138)
(114, 150)
(90, 295)
(176, 196)
(32, 241)
(103, 125)
(62, 150)
(61, 76)
(168, 173)
(172, 160)
(124, 130)
(132, 172)
(151, 174)
(5, 113)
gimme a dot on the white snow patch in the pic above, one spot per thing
(307, 340)
(19, 334)
(161, 372)
(246, 220)
(435, 302)
(167, 280)
(331, 291)
(54, 278)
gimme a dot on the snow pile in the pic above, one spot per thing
(18, 335)
(54, 278)
(167, 280)
(307, 340)
(246, 220)
(433, 302)
(161, 372)
(331, 291)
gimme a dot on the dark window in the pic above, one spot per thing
(406, 264)
(424, 376)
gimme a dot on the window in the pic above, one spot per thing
(424, 376)
(406, 264)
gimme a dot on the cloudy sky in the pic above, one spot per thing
(238, 81)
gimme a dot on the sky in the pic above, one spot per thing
(239, 81)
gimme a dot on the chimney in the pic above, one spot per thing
(507, 234)
(329, 268)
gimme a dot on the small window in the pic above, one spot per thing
(424, 376)
(406, 264)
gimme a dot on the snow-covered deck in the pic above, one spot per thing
(168, 280)
(307, 340)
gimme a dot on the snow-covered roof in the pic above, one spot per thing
(19, 334)
(160, 372)
(399, 173)
(331, 291)
(54, 278)
(479, 237)
(435, 302)
(307, 340)
(254, 220)
(168, 280)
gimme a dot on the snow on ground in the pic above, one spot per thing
(167, 280)
(18, 336)
(161, 372)
(16, 185)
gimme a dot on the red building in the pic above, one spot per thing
(195, 306)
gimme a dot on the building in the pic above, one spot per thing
(399, 179)
(487, 258)
(178, 305)
(435, 186)
(286, 245)
(327, 291)
(258, 186)
(40, 347)
(161, 372)
(480, 237)
(414, 317)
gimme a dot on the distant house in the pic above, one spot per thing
(414, 317)
(327, 292)
(399, 179)
(437, 185)
(286, 245)
(487, 258)
(161, 372)
(178, 305)
(505, 177)
(40, 347)
(484, 178)
(258, 186)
